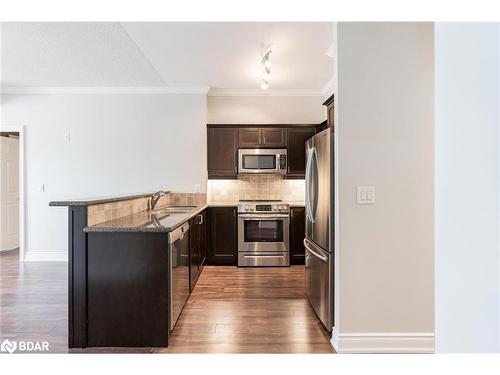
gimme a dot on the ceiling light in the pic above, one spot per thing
(266, 70)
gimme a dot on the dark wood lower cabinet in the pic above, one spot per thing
(223, 236)
(297, 234)
(127, 289)
(197, 247)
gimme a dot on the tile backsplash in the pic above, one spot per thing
(255, 187)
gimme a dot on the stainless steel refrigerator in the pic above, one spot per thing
(320, 218)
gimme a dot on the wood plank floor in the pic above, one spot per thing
(231, 310)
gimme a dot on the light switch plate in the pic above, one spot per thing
(365, 194)
(40, 188)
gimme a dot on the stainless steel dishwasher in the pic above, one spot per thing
(179, 271)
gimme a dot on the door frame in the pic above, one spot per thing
(19, 129)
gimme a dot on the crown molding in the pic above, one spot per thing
(196, 90)
(328, 88)
(270, 92)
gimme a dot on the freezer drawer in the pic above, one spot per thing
(319, 282)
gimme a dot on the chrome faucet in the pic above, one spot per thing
(154, 199)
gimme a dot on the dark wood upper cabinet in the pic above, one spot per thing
(222, 148)
(330, 105)
(223, 236)
(249, 137)
(262, 137)
(224, 140)
(297, 138)
(297, 234)
(273, 137)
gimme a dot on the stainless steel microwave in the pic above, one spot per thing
(262, 160)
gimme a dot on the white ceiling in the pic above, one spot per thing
(73, 54)
(219, 55)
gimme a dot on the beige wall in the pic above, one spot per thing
(265, 110)
(384, 254)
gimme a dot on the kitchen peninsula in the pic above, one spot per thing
(120, 267)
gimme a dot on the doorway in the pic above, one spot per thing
(11, 191)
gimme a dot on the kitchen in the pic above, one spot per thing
(258, 231)
(230, 223)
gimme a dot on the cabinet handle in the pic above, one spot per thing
(201, 219)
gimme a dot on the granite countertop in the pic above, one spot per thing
(99, 200)
(147, 221)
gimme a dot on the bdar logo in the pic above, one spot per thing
(8, 346)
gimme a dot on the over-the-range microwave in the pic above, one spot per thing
(262, 160)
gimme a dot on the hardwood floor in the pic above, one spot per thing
(34, 301)
(231, 310)
(249, 310)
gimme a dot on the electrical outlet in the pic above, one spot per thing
(365, 194)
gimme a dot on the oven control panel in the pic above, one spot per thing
(264, 207)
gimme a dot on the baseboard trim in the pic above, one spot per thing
(35, 256)
(404, 342)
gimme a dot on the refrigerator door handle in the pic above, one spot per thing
(308, 181)
(311, 251)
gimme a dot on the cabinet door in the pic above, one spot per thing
(297, 151)
(330, 117)
(273, 137)
(330, 105)
(223, 236)
(249, 137)
(297, 235)
(222, 146)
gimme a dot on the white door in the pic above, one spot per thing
(9, 191)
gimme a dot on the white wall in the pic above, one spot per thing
(467, 186)
(119, 144)
(265, 110)
(385, 253)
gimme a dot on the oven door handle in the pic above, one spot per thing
(267, 217)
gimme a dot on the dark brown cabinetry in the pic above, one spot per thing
(297, 234)
(222, 147)
(224, 140)
(262, 137)
(197, 247)
(297, 138)
(330, 111)
(127, 290)
(249, 137)
(223, 236)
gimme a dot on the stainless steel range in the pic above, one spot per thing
(263, 233)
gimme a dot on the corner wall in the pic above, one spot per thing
(119, 144)
(385, 254)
